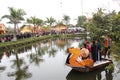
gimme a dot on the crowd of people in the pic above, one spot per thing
(97, 50)
(9, 37)
(89, 52)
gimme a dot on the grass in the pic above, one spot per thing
(22, 42)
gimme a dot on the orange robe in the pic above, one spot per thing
(106, 42)
(75, 53)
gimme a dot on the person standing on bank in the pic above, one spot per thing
(106, 44)
(109, 46)
(98, 49)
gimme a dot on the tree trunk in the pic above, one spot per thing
(18, 61)
(14, 37)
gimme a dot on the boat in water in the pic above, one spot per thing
(97, 65)
(87, 64)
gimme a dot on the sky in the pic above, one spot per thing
(58, 8)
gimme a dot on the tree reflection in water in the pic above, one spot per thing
(52, 49)
(115, 53)
(21, 69)
(52, 52)
(39, 52)
(1, 56)
(2, 68)
(36, 57)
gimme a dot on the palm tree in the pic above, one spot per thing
(81, 21)
(15, 17)
(32, 20)
(66, 19)
(35, 21)
(39, 22)
(50, 22)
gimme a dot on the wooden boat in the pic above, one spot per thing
(97, 65)
(85, 64)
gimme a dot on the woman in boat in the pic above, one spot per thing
(88, 46)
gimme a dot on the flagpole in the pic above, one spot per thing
(82, 7)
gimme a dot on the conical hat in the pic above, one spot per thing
(85, 52)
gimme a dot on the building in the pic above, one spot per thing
(26, 29)
(31, 29)
(2, 28)
(60, 28)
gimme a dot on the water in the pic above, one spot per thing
(46, 61)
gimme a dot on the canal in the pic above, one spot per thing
(45, 60)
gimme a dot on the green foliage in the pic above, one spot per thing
(50, 21)
(110, 67)
(66, 19)
(2, 35)
(116, 28)
(15, 16)
(81, 20)
(35, 21)
(105, 23)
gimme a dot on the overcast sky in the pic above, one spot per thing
(58, 8)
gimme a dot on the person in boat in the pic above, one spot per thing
(93, 51)
(79, 57)
(88, 46)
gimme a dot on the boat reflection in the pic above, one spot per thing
(94, 75)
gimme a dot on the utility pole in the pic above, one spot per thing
(82, 7)
(108, 7)
(61, 6)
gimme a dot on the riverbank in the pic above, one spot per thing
(26, 41)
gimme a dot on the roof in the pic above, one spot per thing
(2, 27)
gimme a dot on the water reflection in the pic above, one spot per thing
(21, 69)
(61, 43)
(1, 56)
(2, 68)
(100, 74)
(36, 57)
(44, 61)
(52, 52)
